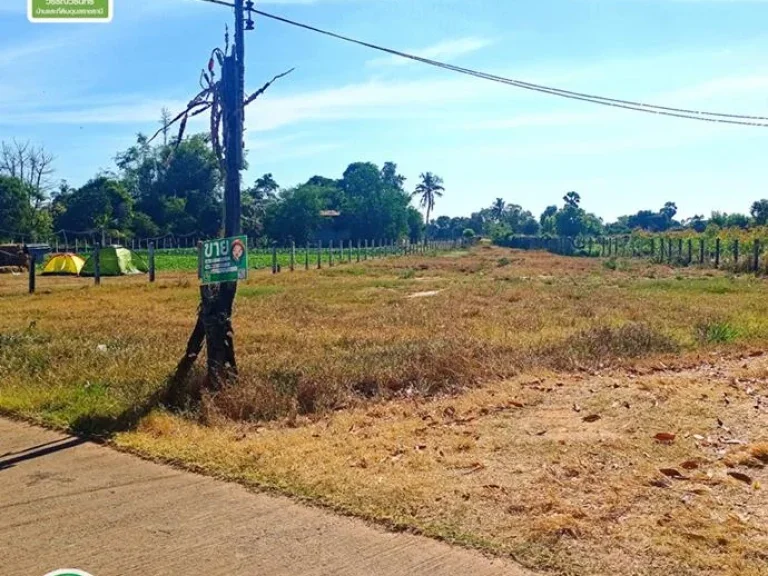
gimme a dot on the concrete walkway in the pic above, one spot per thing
(65, 503)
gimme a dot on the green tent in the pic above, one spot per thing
(115, 261)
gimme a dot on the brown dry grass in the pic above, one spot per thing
(461, 414)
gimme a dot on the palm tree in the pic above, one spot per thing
(498, 208)
(266, 188)
(572, 199)
(430, 187)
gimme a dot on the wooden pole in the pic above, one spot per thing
(319, 254)
(274, 257)
(330, 253)
(756, 255)
(358, 249)
(717, 252)
(690, 251)
(96, 264)
(702, 244)
(293, 255)
(32, 272)
(151, 261)
(306, 256)
(736, 251)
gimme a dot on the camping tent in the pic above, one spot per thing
(115, 261)
(64, 264)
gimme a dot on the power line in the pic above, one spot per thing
(701, 115)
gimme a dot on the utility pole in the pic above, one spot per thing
(227, 101)
(234, 89)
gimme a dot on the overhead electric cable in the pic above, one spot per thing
(690, 114)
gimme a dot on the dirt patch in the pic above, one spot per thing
(426, 294)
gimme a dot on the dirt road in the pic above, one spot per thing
(65, 503)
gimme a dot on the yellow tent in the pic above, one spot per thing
(64, 265)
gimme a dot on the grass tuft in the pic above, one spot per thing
(604, 346)
(712, 331)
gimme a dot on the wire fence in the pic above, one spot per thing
(737, 254)
(274, 259)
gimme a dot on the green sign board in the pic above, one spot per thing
(224, 260)
(70, 10)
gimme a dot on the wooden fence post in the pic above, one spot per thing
(32, 272)
(736, 251)
(151, 261)
(330, 253)
(274, 257)
(756, 256)
(293, 255)
(690, 251)
(358, 249)
(306, 257)
(319, 254)
(96, 264)
(702, 244)
(717, 252)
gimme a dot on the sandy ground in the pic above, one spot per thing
(65, 503)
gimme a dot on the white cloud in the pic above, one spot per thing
(446, 50)
(271, 111)
(13, 54)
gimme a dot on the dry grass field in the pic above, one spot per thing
(584, 417)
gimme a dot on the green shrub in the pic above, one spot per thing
(716, 332)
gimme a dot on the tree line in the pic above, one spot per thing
(503, 220)
(163, 189)
(176, 189)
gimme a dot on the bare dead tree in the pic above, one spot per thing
(33, 165)
(223, 98)
(165, 119)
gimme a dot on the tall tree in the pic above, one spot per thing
(165, 122)
(572, 199)
(296, 216)
(391, 178)
(265, 187)
(102, 205)
(759, 212)
(497, 209)
(33, 165)
(668, 211)
(255, 201)
(177, 186)
(428, 190)
(15, 210)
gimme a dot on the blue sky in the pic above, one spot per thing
(84, 91)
